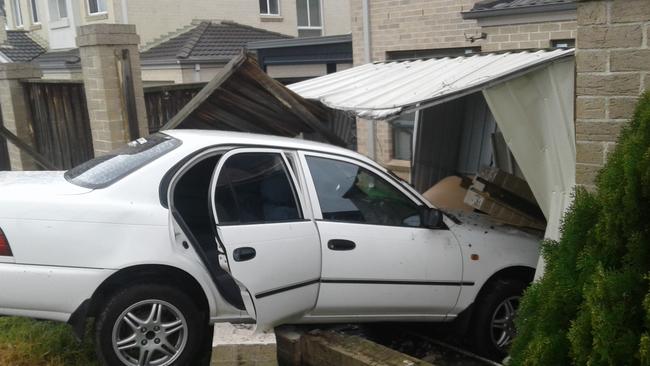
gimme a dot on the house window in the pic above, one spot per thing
(403, 128)
(309, 18)
(58, 10)
(18, 14)
(96, 7)
(34, 10)
(269, 7)
(563, 43)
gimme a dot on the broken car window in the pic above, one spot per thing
(350, 193)
(105, 170)
(255, 188)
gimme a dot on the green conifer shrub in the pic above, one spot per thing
(592, 307)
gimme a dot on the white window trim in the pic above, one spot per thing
(33, 10)
(268, 9)
(17, 14)
(56, 21)
(97, 13)
(310, 27)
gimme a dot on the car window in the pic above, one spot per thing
(255, 188)
(107, 169)
(350, 193)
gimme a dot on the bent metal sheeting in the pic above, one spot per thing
(384, 89)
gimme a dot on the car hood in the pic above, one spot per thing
(29, 184)
(480, 226)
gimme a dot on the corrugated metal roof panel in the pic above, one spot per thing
(382, 90)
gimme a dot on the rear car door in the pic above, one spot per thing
(378, 260)
(268, 241)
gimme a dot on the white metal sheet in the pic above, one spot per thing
(384, 89)
(535, 114)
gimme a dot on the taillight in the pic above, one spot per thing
(5, 249)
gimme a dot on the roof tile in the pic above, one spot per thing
(20, 47)
(209, 40)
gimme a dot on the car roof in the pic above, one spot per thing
(203, 138)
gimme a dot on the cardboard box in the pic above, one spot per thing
(508, 182)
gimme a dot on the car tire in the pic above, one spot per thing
(149, 320)
(493, 325)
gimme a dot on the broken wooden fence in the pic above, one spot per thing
(163, 102)
(61, 123)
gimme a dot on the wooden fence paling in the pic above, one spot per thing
(4, 153)
(61, 122)
(163, 102)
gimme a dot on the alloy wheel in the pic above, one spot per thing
(502, 326)
(150, 332)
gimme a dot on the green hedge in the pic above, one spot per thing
(592, 306)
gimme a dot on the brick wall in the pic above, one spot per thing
(411, 24)
(523, 36)
(398, 25)
(612, 62)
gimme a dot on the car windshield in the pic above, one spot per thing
(105, 170)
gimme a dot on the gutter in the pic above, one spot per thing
(533, 9)
(300, 42)
(188, 62)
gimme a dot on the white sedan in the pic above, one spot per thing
(186, 228)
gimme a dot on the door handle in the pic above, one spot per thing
(341, 244)
(244, 254)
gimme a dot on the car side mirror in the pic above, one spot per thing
(432, 218)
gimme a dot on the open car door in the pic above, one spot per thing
(267, 244)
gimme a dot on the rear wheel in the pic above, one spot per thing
(494, 327)
(149, 324)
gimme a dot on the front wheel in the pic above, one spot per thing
(494, 327)
(149, 324)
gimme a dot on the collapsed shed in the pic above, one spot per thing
(469, 109)
(244, 98)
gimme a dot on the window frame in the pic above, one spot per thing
(99, 12)
(395, 126)
(311, 27)
(557, 43)
(17, 14)
(317, 211)
(293, 181)
(268, 9)
(54, 9)
(33, 11)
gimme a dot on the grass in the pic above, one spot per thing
(26, 342)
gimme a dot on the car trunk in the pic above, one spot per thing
(14, 185)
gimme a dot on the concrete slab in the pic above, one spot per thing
(237, 344)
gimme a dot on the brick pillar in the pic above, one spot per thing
(16, 115)
(612, 65)
(100, 49)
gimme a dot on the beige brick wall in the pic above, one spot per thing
(612, 62)
(412, 24)
(99, 47)
(427, 24)
(523, 36)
